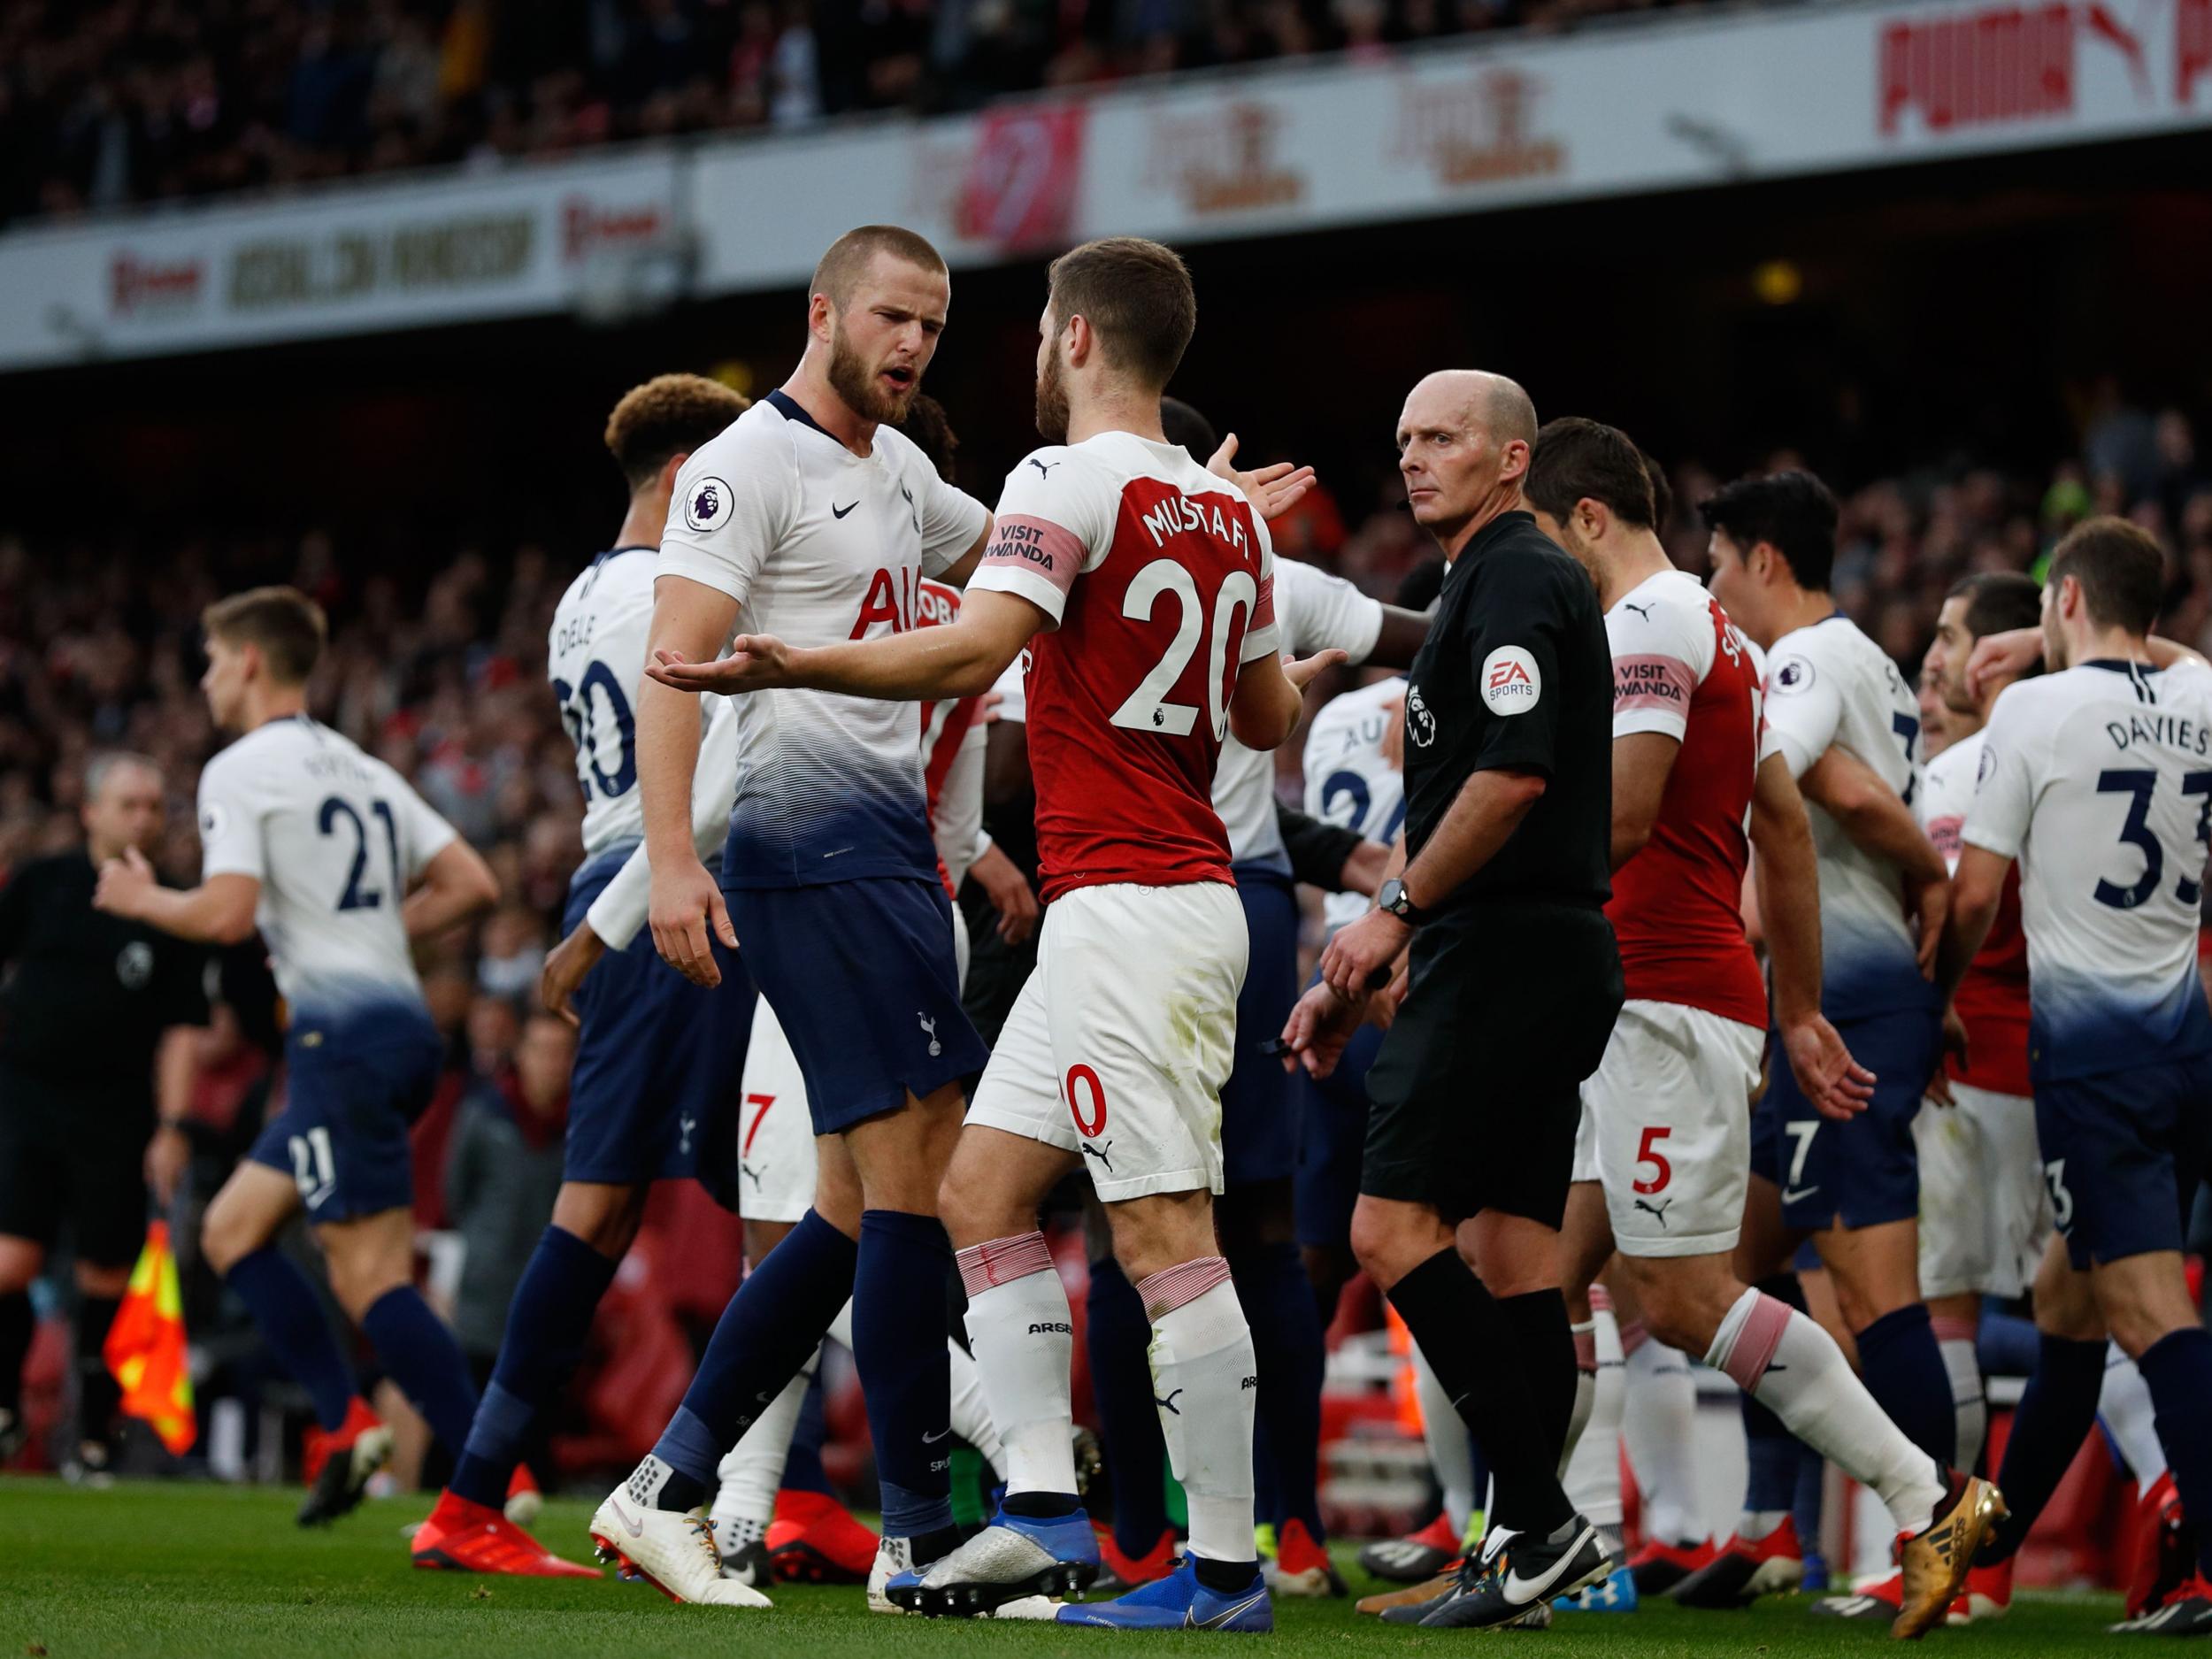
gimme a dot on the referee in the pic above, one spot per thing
(92, 1010)
(1514, 981)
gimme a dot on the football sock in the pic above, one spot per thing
(1798, 1374)
(751, 1471)
(1770, 1454)
(1659, 1428)
(1904, 1372)
(2179, 1369)
(802, 1463)
(1451, 1453)
(971, 1409)
(899, 1348)
(763, 1340)
(18, 1323)
(1593, 1477)
(2125, 1409)
(1811, 1498)
(1969, 1409)
(97, 1392)
(1115, 1337)
(1022, 1333)
(1546, 1343)
(547, 1324)
(1585, 1333)
(418, 1352)
(1476, 1354)
(1204, 1375)
(1287, 1338)
(291, 1322)
(2056, 1411)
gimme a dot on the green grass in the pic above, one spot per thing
(175, 1569)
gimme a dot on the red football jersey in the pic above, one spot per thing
(944, 725)
(1681, 667)
(1992, 995)
(1157, 582)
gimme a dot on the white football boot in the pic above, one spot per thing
(673, 1553)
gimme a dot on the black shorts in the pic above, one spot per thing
(76, 1155)
(1477, 1091)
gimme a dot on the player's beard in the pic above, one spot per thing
(853, 381)
(1052, 402)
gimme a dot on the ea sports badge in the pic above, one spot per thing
(1511, 682)
(707, 505)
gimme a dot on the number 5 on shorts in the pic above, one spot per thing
(1647, 1152)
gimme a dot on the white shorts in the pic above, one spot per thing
(775, 1145)
(1984, 1211)
(1666, 1128)
(1119, 1042)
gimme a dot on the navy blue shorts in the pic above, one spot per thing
(861, 978)
(1866, 1171)
(658, 1061)
(1331, 1141)
(1259, 1129)
(354, 1085)
(2123, 1153)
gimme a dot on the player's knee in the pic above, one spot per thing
(605, 1218)
(228, 1234)
(1382, 1245)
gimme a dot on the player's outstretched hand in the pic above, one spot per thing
(568, 966)
(686, 905)
(1273, 490)
(1360, 952)
(1318, 1027)
(1302, 671)
(2014, 652)
(1008, 889)
(756, 662)
(1954, 1048)
(1837, 1086)
(124, 884)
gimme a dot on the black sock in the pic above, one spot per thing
(1545, 1339)
(1040, 1506)
(928, 1546)
(97, 1392)
(17, 1324)
(2056, 1413)
(1469, 1343)
(1225, 1578)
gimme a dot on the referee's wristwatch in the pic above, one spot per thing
(1393, 897)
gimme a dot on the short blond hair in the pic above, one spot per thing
(847, 258)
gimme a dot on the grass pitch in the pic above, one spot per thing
(178, 1571)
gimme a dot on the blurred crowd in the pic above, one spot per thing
(109, 102)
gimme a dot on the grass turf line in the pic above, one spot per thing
(200, 1571)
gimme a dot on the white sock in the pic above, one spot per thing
(751, 1471)
(1593, 1477)
(840, 1331)
(1022, 1333)
(1451, 1454)
(1798, 1372)
(1968, 1407)
(1585, 1389)
(2126, 1407)
(971, 1411)
(1203, 1374)
(1659, 1427)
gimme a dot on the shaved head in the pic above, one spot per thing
(1464, 444)
(1498, 405)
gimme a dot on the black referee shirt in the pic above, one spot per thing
(91, 994)
(1516, 674)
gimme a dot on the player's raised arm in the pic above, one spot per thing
(690, 621)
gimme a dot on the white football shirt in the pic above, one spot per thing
(1315, 611)
(2099, 781)
(818, 545)
(1348, 783)
(1946, 793)
(335, 836)
(1828, 685)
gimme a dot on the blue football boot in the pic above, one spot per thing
(1178, 1601)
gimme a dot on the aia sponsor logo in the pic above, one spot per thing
(1477, 130)
(1223, 161)
(136, 285)
(2013, 62)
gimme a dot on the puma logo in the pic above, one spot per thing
(1090, 1151)
(929, 1026)
(1044, 468)
(751, 1173)
(1643, 611)
(1168, 1404)
(1658, 1210)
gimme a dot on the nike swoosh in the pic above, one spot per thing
(1802, 1192)
(837, 511)
(636, 1528)
(1519, 1590)
(1224, 1615)
(931, 1439)
(839, 853)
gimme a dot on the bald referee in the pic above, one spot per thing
(92, 1012)
(1515, 982)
